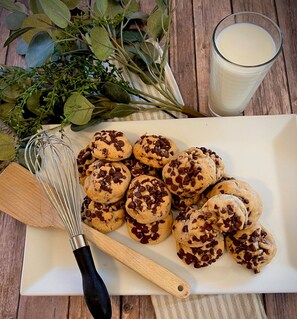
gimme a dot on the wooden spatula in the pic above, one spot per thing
(22, 198)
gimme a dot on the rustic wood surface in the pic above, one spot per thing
(189, 59)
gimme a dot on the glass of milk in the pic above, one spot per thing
(244, 47)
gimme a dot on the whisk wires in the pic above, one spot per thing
(54, 165)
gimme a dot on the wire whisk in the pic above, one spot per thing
(53, 162)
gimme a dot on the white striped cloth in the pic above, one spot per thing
(235, 306)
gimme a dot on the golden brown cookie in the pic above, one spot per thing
(154, 150)
(110, 145)
(190, 173)
(148, 199)
(182, 203)
(102, 217)
(137, 168)
(201, 256)
(192, 228)
(107, 182)
(227, 212)
(84, 159)
(152, 233)
(220, 166)
(245, 193)
(252, 247)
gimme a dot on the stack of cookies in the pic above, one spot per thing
(140, 184)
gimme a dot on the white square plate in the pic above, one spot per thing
(262, 150)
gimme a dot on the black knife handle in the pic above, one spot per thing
(95, 292)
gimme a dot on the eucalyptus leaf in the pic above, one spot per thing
(33, 103)
(101, 6)
(38, 22)
(57, 11)
(35, 6)
(133, 36)
(137, 15)
(10, 5)
(150, 50)
(11, 92)
(40, 49)
(71, 4)
(14, 20)
(78, 110)
(115, 92)
(77, 128)
(122, 110)
(16, 34)
(5, 109)
(113, 9)
(100, 43)
(162, 4)
(21, 47)
(131, 5)
(157, 24)
(7, 150)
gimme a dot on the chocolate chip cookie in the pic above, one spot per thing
(84, 159)
(152, 233)
(253, 247)
(190, 173)
(245, 193)
(148, 199)
(107, 182)
(110, 145)
(154, 150)
(192, 228)
(227, 212)
(137, 168)
(102, 217)
(201, 256)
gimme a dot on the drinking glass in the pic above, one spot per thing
(244, 47)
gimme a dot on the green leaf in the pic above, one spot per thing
(10, 6)
(115, 92)
(157, 24)
(7, 150)
(5, 109)
(114, 8)
(150, 50)
(14, 20)
(16, 34)
(100, 43)
(137, 16)
(131, 5)
(77, 128)
(39, 23)
(133, 36)
(71, 4)
(39, 50)
(11, 92)
(57, 11)
(35, 6)
(101, 6)
(162, 4)
(21, 47)
(122, 110)
(78, 110)
(33, 103)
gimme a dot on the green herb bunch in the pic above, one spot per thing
(79, 60)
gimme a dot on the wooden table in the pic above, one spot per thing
(189, 59)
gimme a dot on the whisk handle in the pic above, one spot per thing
(95, 292)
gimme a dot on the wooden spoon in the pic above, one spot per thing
(22, 198)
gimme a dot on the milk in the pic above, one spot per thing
(249, 48)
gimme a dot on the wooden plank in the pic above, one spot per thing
(3, 35)
(182, 52)
(205, 20)
(272, 96)
(12, 235)
(287, 19)
(280, 306)
(43, 307)
(130, 307)
(146, 310)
